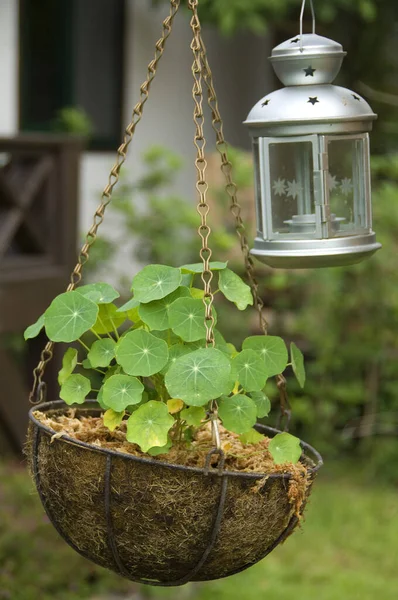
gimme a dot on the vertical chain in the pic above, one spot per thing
(231, 189)
(201, 164)
(37, 393)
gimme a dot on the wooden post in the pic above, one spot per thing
(39, 180)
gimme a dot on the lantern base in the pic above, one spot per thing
(310, 254)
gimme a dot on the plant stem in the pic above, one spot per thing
(84, 345)
(102, 324)
(115, 329)
(95, 333)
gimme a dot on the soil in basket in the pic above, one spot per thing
(253, 458)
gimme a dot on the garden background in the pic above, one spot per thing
(344, 319)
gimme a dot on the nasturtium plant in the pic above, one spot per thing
(69, 362)
(69, 316)
(147, 363)
(271, 349)
(101, 293)
(102, 352)
(285, 447)
(33, 330)
(297, 363)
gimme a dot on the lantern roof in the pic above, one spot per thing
(307, 65)
(307, 59)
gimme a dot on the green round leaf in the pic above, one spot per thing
(112, 419)
(158, 450)
(297, 364)
(285, 447)
(155, 314)
(69, 362)
(100, 399)
(198, 267)
(235, 289)
(168, 336)
(238, 413)
(187, 279)
(175, 351)
(250, 371)
(130, 305)
(155, 282)
(69, 316)
(199, 376)
(100, 293)
(121, 391)
(75, 389)
(149, 425)
(262, 402)
(186, 318)
(102, 352)
(251, 437)
(108, 319)
(272, 350)
(141, 353)
(33, 330)
(193, 415)
(197, 293)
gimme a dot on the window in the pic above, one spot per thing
(71, 54)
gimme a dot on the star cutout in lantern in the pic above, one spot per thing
(346, 186)
(293, 189)
(333, 183)
(265, 103)
(279, 187)
(309, 71)
(295, 41)
(313, 100)
(356, 97)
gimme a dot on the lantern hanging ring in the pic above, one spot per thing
(301, 21)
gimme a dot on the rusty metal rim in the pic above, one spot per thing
(93, 405)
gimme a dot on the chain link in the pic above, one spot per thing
(38, 391)
(201, 164)
(235, 208)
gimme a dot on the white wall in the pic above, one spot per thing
(8, 67)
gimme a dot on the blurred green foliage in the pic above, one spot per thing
(72, 119)
(256, 16)
(349, 320)
(162, 224)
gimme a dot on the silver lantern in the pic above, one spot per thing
(311, 155)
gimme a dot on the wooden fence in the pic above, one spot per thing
(39, 176)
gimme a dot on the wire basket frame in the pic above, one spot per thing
(222, 480)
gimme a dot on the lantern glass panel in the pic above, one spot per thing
(346, 186)
(257, 187)
(291, 171)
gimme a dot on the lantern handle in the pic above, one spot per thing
(301, 21)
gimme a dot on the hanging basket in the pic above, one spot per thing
(154, 522)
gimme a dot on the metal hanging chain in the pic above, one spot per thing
(201, 164)
(231, 189)
(37, 393)
(203, 210)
